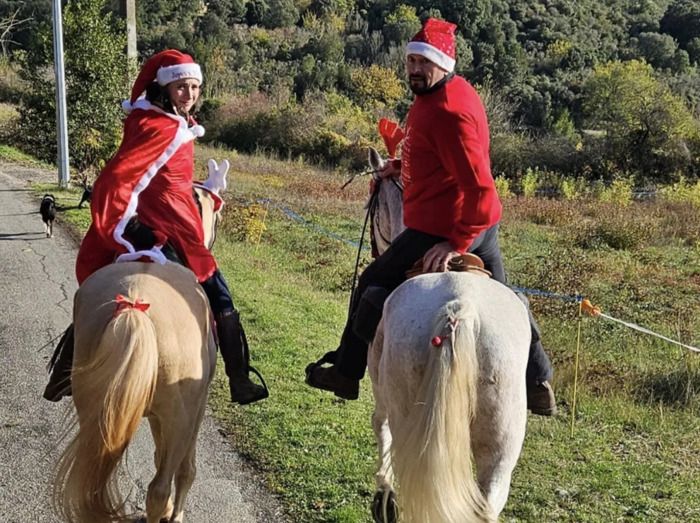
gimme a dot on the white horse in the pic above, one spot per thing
(144, 346)
(447, 366)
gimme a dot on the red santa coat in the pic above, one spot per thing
(150, 175)
(445, 166)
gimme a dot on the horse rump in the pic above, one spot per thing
(431, 448)
(112, 393)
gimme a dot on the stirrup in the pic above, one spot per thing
(261, 395)
(328, 357)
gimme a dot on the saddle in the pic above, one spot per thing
(463, 263)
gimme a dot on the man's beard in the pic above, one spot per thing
(418, 84)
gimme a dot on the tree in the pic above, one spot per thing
(646, 126)
(682, 21)
(376, 87)
(96, 76)
(657, 49)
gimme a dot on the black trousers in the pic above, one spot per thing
(389, 271)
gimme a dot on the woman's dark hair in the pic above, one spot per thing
(158, 95)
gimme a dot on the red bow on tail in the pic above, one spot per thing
(392, 135)
(123, 303)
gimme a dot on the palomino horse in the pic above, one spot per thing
(143, 347)
(448, 374)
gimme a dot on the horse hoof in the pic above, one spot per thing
(384, 507)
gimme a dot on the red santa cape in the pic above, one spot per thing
(152, 139)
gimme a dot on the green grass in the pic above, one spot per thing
(9, 153)
(634, 454)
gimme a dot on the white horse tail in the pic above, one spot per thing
(431, 447)
(115, 391)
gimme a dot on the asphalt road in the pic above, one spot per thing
(37, 283)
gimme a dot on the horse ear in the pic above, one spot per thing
(376, 162)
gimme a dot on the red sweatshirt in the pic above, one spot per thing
(445, 166)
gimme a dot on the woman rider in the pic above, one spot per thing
(143, 197)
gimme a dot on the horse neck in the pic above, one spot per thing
(209, 217)
(389, 213)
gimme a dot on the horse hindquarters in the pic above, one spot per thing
(111, 395)
(431, 429)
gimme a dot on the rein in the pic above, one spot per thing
(369, 215)
(371, 208)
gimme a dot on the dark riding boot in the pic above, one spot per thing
(61, 366)
(236, 356)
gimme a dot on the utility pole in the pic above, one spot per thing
(129, 14)
(61, 112)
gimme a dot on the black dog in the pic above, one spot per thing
(87, 194)
(48, 213)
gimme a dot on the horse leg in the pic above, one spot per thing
(186, 471)
(171, 444)
(384, 508)
(384, 478)
(156, 431)
(498, 431)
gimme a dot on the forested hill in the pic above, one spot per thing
(537, 59)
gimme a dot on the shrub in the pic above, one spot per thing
(617, 227)
(327, 128)
(95, 86)
(503, 187)
(11, 84)
(682, 191)
(9, 121)
(530, 182)
(618, 192)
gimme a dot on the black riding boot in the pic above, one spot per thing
(236, 356)
(61, 366)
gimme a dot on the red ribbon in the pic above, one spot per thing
(123, 303)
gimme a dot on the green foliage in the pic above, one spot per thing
(682, 21)
(659, 50)
(530, 182)
(569, 189)
(325, 128)
(618, 192)
(401, 24)
(375, 87)
(682, 191)
(11, 84)
(95, 85)
(503, 187)
(532, 62)
(646, 125)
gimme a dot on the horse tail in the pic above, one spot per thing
(431, 449)
(119, 384)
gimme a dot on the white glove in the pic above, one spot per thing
(216, 181)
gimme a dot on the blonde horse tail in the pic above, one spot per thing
(431, 448)
(116, 390)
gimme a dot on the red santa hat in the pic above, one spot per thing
(164, 67)
(436, 42)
